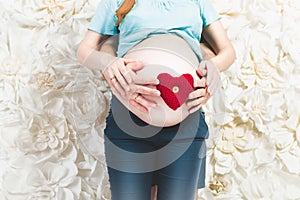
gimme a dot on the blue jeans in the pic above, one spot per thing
(139, 155)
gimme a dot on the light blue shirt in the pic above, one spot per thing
(185, 18)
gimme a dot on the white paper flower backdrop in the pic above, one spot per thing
(52, 110)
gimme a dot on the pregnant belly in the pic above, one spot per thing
(170, 59)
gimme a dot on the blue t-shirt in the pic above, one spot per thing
(185, 18)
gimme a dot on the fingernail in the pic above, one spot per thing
(158, 93)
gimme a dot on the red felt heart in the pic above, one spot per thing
(175, 90)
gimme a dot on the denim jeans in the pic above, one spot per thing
(139, 155)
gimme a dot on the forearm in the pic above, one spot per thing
(224, 58)
(97, 51)
(98, 60)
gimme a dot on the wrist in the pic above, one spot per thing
(98, 60)
(214, 63)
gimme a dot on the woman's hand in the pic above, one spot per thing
(140, 102)
(140, 88)
(121, 77)
(118, 76)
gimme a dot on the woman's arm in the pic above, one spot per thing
(98, 52)
(113, 69)
(216, 37)
(88, 54)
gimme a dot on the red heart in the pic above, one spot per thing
(175, 90)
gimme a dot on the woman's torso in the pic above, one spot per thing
(171, 55)
(154, 17)
(150, 19)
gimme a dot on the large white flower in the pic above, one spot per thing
(85, 98)
(23, 51)
(51, 181)
(86, 104)
(263, 58)
(46, 134)
(41, 126)
(235, 147)
(255, 104)
(238, 136)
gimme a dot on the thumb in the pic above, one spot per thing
(134, 64)
(201, 70)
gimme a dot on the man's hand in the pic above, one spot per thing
(210, 71)
(199, 96)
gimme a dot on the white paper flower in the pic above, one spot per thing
(290, 46)
(52, 110)
(41, 13)
(220, 185)
(22, 51)
(47, 181)
(233, 144)
(93, 172)
(258, 186)
(266, 152)
(224, 162)
(291, 161)
(47, 134)
(251, 104)
(291, 95)
(85, 102)
(228, 7)
(283, 138)
(270, 184)
(12, 124)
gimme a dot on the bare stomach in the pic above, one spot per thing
(169, 58)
